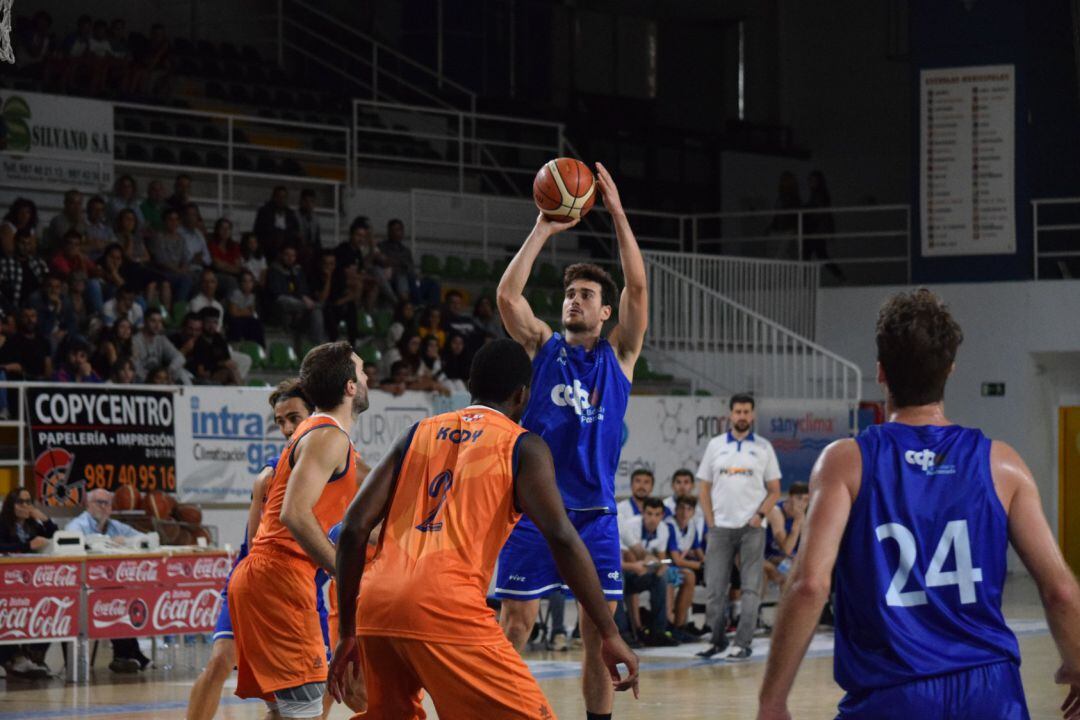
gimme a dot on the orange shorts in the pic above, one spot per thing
(279, 643)
(465, 681)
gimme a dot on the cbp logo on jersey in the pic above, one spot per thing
(579, 398)
(930, 462)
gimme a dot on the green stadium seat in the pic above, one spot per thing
(254, 382)
(365, 324)
(429, 265)
(679, 392)
(539, 302)
(703, 393)
(176, 316)
(254, 351)
(479, 269)
(549, 276)
(383, 320)
(281, 357)
(455, 267)
(369, 353)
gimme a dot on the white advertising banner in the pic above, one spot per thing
(55, 140)
(967, 160)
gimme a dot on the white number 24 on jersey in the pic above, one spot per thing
(964, 576)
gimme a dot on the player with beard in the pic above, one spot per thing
(581, 385)
(280, 647)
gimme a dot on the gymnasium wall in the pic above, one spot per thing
(1021, 333)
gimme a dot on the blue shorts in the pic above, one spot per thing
(527, 570)
(989, 692)
(223, 627)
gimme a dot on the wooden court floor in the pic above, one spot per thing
(674, 684)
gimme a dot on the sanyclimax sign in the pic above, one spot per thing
(55, 140)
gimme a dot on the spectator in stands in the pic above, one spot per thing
(13, 276)
(75, 51)
(310, 232)
(213, 364)
(686, 550)
(70, 262)
(151, 350)
(455, 362)
(24, 528)
(431, 324)
(125, 197)
(486, 320)
(457, 320)
(252, 258)
(682, 485)
(299, 312)
(158, 376)
(396, 382)
(186, 337)
(405, 322)
(194, 233)
(371, 370)
(181, 193)
(153, 64)
(22, 215)
(642, 482)
(374, 272)
(207, 295)
(34, 267)
(819, 225)
(243, 319)
(740, 483)
(276, 224)
(120, 52)
(788, 203)
(76, 367)
(225, 256)
(97, 520)
(170, 256)
(26, 355)
(114, 344)
(136, 267)
(331, 288)
(56, 317)
(400, 260)
(111, 270)
(430, 368)
(123, 372)
(35, 44)
(70, 218)
(644, 541)
(123, 306)
(784, 531)
(153, 207)
(85, 318)
(99, 56)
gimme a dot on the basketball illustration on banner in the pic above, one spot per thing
(52, 472)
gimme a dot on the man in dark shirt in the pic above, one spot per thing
(400, 259)
(211, 357)
(276, 224)
(285, 283)
(458, 321)
(26, 355)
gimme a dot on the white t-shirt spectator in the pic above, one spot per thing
(738, 471)
(200, 301)
(693, 538)
(632, 532)
(669, 509)
(627, 509)
(135, 314)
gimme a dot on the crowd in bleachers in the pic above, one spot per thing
(131, 288)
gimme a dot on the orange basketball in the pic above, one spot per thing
(184, 537)
(169, 532)
(158, 504)
(564, 189)
(202, 532)
(188, 514)
(126, 497)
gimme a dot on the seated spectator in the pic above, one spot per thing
(225, 256)
(96, 520)
(170, 257)
(644, 541)
(207, 297)
(430, 368)
(70, 218)
(360, 250)
(455, 363)
(13, 276)
(641, 487)
(276, 224)
(485, 318)
(111, 271)
(35, 44)
(113, 345)
(686, 549)
(457, 321)
(152, 65)
(126, 197)
(371, 370)
(431, 324)
(783, 532)
(85, 318)
(158, 376)
(243, 319)
(136, 266)
(181, 193)
(400, 261)
(397, 381)
(26, 355)
(194, 233)
(22, 215)
(151, 349)
(405, 322)
(98, 233)
(24, 528)
(71, 262)
(212, 360)
(252, 259)
(682, 485)
(34, 267)
(123, 306)
(56, 316)
(123, 372)
(335, 289)
(309, 231)
(153, 208)
(406, 350)
(299, 312)
(186, 338)
(76, 367)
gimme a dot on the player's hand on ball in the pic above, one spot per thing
(552, 226)
(608, 191)
(346, 675)
(614, 651)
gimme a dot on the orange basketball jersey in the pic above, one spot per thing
(452, 510)
(329, 509)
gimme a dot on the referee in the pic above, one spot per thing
(740, 483)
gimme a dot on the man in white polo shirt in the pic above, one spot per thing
(740, 483)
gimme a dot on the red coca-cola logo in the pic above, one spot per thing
(211, 569)
(100, 572)
(56, 576)
(49, 617)
(186, 609)
(119, 611)
(17, 576)
(178, 568)
(142, 571)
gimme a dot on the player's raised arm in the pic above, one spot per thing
(1030, 534)
(321, 452)
(836, 472)
(536, 494)
(514, 309)
(629, 334)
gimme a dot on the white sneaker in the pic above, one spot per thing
(23, 666)
(3, 672)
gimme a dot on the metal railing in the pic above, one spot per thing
(726, 347)
(784, 291)
(1056, 238)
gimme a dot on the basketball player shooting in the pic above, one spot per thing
(581, 385)
(888, 510)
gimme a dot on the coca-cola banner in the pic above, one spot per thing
(161, 610)
(20, 577)
(125, 572)
(85, 437)
(182, 570)
(34, 616)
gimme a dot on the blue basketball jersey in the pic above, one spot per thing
(921, 566)
(578, 402)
